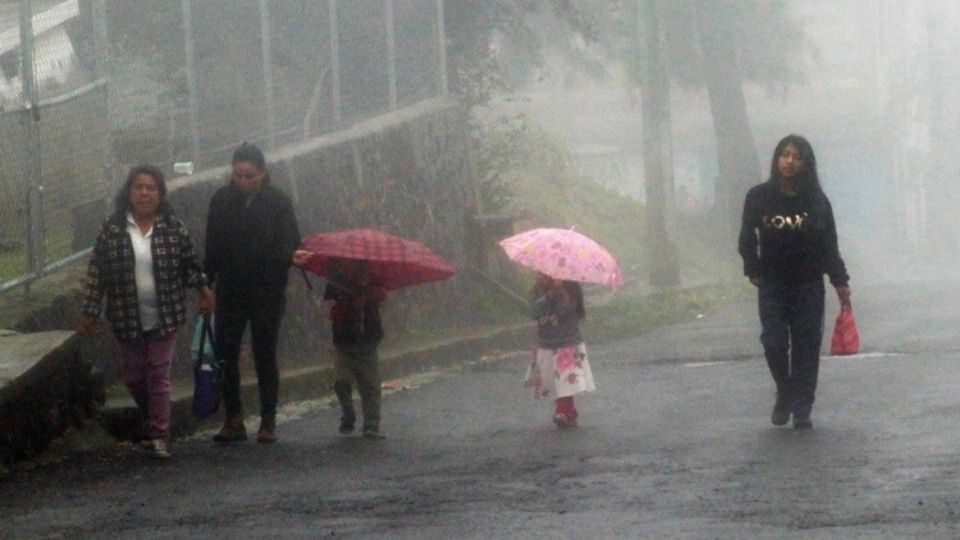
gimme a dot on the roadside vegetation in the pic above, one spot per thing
(530, 177)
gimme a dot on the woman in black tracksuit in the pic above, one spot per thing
(788, 241)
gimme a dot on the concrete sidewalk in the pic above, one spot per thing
(120, 417)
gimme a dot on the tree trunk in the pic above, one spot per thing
(736, 150)
(657, 152)
(942, 170)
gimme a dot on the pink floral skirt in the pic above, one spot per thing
(557, 373)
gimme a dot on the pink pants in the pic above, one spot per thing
(147, 375)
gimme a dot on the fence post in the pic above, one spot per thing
(190, 68)
(30, 98)
(442, 47)
(100, 48)
(98, 26)
(391, 53)
(266, 51)
(335, 61)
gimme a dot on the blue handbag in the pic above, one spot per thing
(207, 371)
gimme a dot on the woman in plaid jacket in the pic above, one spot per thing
(142, 264)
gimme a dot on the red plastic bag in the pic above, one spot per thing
(846, 340)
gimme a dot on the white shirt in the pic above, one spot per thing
(143, 274)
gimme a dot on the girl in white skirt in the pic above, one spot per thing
(560, 368)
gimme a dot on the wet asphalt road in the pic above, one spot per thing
(675, 443)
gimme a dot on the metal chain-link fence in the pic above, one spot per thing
(89, 88)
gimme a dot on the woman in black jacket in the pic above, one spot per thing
(788, 241)
(252, 236)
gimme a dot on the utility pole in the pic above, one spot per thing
(335, 61)
(266, 51)
(442, 47)
(389, 23)
(191, 69)
(940, 178)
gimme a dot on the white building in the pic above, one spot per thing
(57, 67)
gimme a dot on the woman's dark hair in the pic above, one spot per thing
(252, 153)
(808, 182)
(122, 200)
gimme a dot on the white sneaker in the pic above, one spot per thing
(158, 449)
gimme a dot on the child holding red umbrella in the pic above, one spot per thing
(357, 331)
(361, 265)
(560, 368)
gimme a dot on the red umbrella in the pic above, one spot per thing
(395, 262)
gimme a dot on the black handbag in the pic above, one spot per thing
(207, 372)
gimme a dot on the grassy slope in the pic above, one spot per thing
(546, 193)
(614, 221)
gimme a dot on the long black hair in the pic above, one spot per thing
(808, 181)
(122, 200)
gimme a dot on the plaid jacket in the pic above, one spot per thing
(111, 275)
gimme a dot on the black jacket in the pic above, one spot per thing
(558, 313)
(250, 248)
(789, 239)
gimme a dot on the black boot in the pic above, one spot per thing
(801, 416)
(781, 410)
(348, 419)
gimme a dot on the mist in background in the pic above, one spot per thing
(676, 103)
(874, 85)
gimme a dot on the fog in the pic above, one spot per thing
(873, 85)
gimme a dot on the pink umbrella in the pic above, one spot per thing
(564, 254)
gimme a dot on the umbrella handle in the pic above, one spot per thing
(306, 279)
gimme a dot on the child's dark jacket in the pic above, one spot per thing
(356, 328)
(558, 313)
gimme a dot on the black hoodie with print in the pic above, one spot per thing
(789, 239)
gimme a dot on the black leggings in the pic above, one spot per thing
(264, 315)
(792, 319)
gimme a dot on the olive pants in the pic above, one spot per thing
(362, 368)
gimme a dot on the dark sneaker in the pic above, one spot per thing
(801, 417)
(372, 433)
(158, 449)
(347, 422)
(233, 431)
(781, 411)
